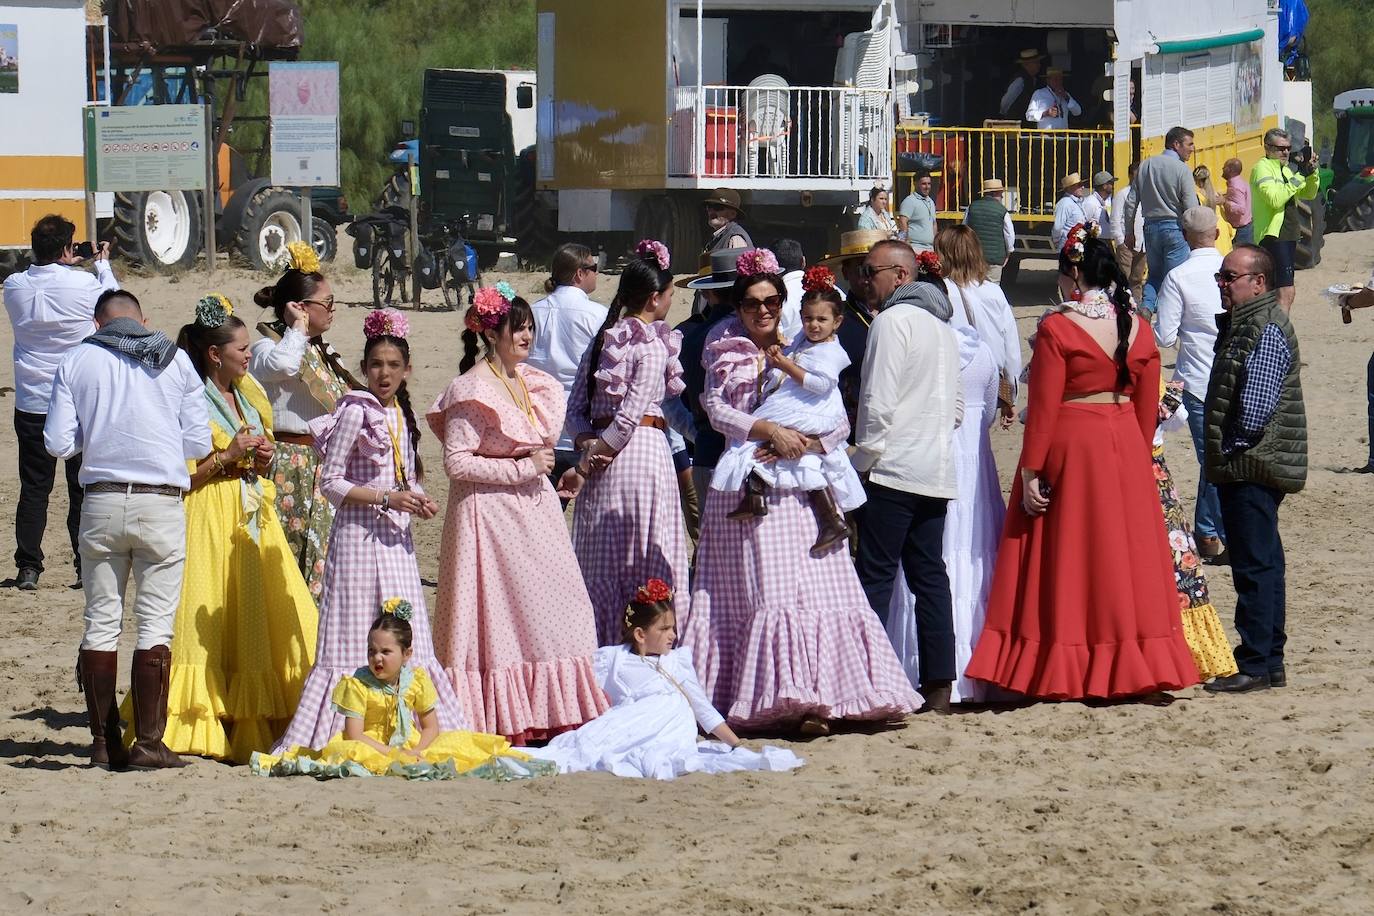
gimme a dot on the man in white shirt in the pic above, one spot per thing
(566, 321)
(792, 260)
(132, 404)
(1051, 106)
(1130, 256)
(910, 403)
(1097, 206)
(1188, 305)
(1068, 212)
(50, 307)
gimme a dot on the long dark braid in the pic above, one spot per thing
(472, 348)
(639, 281)
(402, 394)
(1099, 269)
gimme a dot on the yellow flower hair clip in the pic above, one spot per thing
(397, 607)
(301, 256)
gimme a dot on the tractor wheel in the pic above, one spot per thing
(1361, 216)
(654, 218)
(325, 239)
(1311, 226)
(684, 233)
(161, 230)
(271, 221)
(396, 193)
(534, 227)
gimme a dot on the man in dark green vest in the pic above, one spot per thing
(990, 221)
(1256, 453)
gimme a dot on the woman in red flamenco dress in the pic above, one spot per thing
(1083, 603)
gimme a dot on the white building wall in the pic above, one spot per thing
(44, 117)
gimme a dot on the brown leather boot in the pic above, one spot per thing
(936, 695)
(691, 505)
(754, 503)
(829, 519)
(151, 671)
(95, 673)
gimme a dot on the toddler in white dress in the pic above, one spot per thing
(802, 393)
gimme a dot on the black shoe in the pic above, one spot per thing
(27, 580)
(1278, 678)
(1237, 683)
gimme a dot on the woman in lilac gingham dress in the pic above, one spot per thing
(780, 638)
(371, 556)
(627, 524)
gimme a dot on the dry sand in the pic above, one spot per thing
(1240, 805)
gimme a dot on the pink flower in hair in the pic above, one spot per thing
(385, 321)
(649, 248)
(489, 306)
(757, 261)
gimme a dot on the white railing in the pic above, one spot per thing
(775, 131)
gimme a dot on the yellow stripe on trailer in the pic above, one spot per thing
(31, 187)
(48, 173)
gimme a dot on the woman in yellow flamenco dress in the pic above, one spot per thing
(244, 635)
(391, 727)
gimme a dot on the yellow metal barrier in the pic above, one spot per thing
(1030, 163)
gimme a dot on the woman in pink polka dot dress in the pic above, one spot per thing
(628, 527)
(513, 626)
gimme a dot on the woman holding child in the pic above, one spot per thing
(780, 636)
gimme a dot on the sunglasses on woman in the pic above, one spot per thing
(750, 304)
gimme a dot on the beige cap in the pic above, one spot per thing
(1199, 219)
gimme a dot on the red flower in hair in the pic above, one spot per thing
(818, 278)
(928, 263)
(654, 591)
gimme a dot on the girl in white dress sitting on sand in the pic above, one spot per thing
(802, 393)
(657, 704)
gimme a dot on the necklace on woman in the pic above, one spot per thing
(397, 459)
(525, 405)
(1094, 303)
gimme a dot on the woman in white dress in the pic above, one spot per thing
(973, 527)
(657, 705)
(981, 303)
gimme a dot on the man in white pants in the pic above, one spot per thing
(133, 405)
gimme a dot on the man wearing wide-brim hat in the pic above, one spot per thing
(988, 218)
(723, 213)
(1023, 85)
(1051, 106)
(1068, 212)
(1097, 206)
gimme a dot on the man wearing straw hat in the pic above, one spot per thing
(1097, 206)
(1051, 106)
(988, 218)
(1068, 212)
(1018, 93)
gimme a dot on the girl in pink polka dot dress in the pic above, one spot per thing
(513, 626)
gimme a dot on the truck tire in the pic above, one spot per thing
(325, 239)
(1361, 216)
(271, 221)
(685, 236)
(160, 230)
(533, 223)
(1311, 228)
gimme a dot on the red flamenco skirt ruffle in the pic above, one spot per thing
(1083, 602)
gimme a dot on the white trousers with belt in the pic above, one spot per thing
(139, 533)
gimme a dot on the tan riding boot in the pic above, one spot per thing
(95, 673)
(754, 502)
(829, 519)
(691, 505)
(151, 671)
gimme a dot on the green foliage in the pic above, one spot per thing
(383, 48)
(1338, 37)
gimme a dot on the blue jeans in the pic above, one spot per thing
(1165, 249)
(1207, 511)
(1257, 569)
(1245, 235)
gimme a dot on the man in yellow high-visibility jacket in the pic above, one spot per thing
(1274, 191)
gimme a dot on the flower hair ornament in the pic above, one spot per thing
(301, 256)
(928, 265)
(818, 278)
(213, 310)
(1074, 242)
(757, 261)
(489, 306)
(651, 592)
(651, 250)
(385, 322)
(398, 608)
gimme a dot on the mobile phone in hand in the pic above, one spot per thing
(84, 249)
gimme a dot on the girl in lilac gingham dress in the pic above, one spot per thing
(370, 473)
(627, 523)
(780, 638)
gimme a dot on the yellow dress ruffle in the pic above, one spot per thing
(450, 754)
(1207, 641)
(243, 639)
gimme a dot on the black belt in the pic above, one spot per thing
(156, 489)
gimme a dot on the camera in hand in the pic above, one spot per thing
(1303, 161)
(84, 249)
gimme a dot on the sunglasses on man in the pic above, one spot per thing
(1227, 277)
(868, 271)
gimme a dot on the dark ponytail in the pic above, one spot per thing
(1100, 270)
(402, 394)
(640, 281)
(567, 261)
(197, 339)
(471, 350)
(294, 286)
(475, 345)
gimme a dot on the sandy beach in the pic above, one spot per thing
(1256, 804)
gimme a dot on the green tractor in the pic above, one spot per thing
(1351, 198)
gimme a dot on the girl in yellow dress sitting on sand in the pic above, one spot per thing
(382, 704)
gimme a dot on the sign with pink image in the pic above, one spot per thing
(303, 88)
